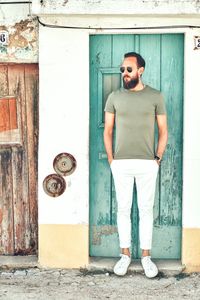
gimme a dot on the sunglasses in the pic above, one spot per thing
(129, 69)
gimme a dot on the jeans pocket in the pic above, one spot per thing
(111, 164)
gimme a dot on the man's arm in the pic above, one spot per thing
(108, 134)
(162, 134)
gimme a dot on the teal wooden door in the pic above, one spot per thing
(164, 71)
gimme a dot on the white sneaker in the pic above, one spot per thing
(122, 265)
(149, 267)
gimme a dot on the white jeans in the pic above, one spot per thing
(145, 173)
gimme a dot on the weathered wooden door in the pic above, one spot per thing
(18, 158)
(164, 71)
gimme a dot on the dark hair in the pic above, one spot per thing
(140, 59)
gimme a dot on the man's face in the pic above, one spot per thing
(131, 74)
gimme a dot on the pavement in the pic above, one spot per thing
(22, 278)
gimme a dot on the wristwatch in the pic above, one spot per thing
(157, 158)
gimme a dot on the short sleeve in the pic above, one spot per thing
(160, 105)
(109, 107)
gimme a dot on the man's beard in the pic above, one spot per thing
(132, 83)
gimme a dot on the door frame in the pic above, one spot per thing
(185, 32)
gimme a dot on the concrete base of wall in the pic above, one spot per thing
(96, 264)
(63, 246)
(18, 262)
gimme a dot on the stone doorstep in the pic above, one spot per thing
(166, 266)
(18, 262)
(96, 264)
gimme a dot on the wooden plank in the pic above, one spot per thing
(171, 168)
(6, 205)
(4, 115)
(20, 166)
(9, 132)
(150, 51)
(13, 113)
(100, 182)
(152, 77)
(3, 80)
(20, 203)
(31, 86)
(121, 44)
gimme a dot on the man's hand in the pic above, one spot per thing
(162, 135)
(110, 160)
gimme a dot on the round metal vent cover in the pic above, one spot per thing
(54, 185)
(64, 164)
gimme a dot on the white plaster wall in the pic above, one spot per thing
(13, 13)
(119, 7)
(64, 121)
(191, 163)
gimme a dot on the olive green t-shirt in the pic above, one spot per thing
(135, 117)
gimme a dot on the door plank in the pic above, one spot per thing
(100, 185)
(20, 169)
(4, 115)
(171, 169)
(31, 86)
(6, 204)
(3, 80)
(13, 113)
(121, 44)
(152, 77)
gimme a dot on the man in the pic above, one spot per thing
(135, 109)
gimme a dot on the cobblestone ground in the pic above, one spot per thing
(80, 284)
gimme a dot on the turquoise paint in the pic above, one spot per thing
(164, 71)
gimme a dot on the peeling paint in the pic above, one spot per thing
(3, 28)
(1, 216)
(98, 231)
(22, 44)
(65, 2)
